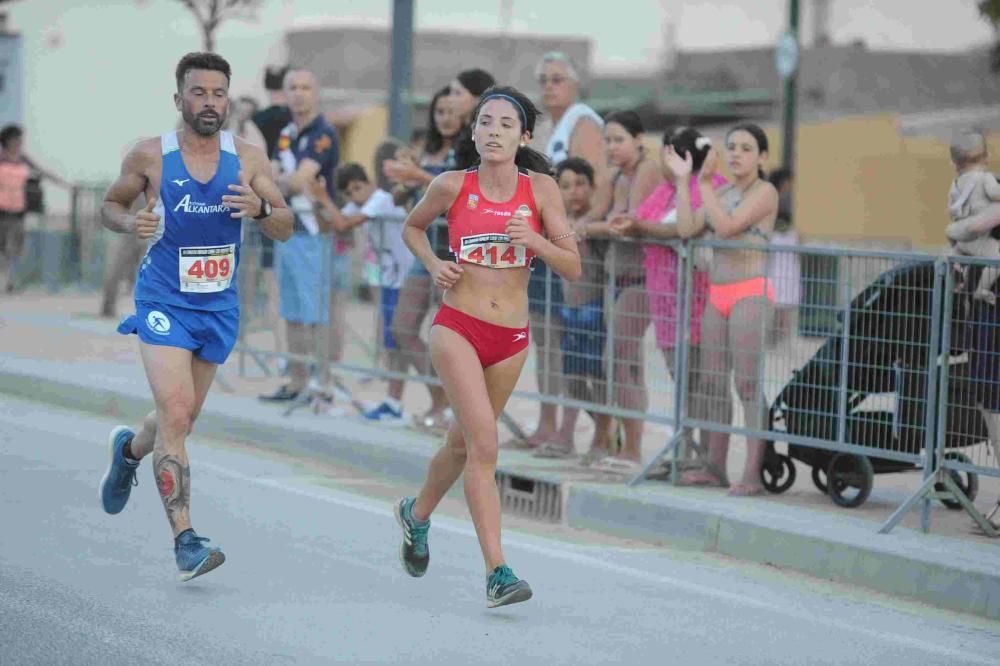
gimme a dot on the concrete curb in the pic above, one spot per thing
(941, 571)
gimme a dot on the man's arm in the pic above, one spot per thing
(319, 159)
(256, 184)
(132, 181)
(299, 181)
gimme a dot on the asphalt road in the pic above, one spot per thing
(312, 576)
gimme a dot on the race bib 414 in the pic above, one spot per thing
(493, 250)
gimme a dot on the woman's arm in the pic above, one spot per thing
(561, 252)
(647, 178)
(587, 141)
(48, 175)
(974, 226)
(661, 230)
(690, 223)
(438, 198)
(600, 203)
(757, 206)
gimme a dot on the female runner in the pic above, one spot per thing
(501, 213)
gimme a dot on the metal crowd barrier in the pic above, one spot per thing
(879, 376)
(967, 439)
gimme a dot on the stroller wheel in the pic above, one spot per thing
(819, 479)
(849, 479)
(777, 473)
(967, 481)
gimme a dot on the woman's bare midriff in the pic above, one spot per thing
(730, 266)
(497, 296)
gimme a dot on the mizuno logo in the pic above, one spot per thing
(189, 206)
(520, 336)
(180, 183)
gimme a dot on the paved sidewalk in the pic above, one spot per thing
(54, 348)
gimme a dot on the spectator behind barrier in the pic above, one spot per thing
(583, 338)
(374, 207)
(572, 129)
(656, 218)
(308, 149)
(20, 193)
(784, 268)
(466, 90)
(270, 121)
(973, 194)
(635, 177)
(417, 293)
(739, 296)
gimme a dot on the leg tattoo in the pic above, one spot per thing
(173, 479)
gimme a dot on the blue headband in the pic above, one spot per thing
(517, 105)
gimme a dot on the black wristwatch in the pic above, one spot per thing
(265, 209)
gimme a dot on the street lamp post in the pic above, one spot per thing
(787, 62)
(402, 69)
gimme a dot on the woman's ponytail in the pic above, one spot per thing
(531, 159)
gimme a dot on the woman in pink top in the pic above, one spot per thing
(16, 169)
(656, 218)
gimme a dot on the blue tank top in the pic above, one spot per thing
(191, 261)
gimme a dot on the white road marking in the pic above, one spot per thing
(558, 552)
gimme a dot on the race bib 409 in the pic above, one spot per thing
(206, 270)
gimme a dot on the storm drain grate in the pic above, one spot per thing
(531, 498)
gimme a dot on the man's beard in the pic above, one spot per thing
(204, 124)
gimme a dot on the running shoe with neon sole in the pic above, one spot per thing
(413, 552)
(193, 557)
(504, 588)
(116, 484)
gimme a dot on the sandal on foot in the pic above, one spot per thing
(615, 465)
(704, 476)
(555, 451)
(746, 490)
(518, 444)
(592, 456)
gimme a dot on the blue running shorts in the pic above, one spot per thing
(210, 334)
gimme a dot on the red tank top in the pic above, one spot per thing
(477, 226)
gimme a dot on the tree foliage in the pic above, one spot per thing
(213, 13)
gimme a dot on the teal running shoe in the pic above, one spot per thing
(413, 552)
(504, 588)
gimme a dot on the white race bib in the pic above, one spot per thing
(493, 250)
(206, 270)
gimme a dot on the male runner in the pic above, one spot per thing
(199, 183)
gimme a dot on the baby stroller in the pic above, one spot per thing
(886, 397)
